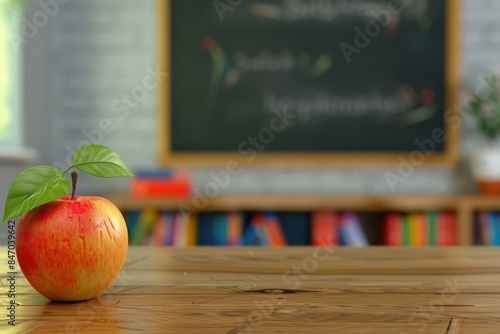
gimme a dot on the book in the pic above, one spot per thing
(220, 229)
(143, 228)
(324, 226)
(261, 233)
(495, 228)
(191, 230)
(275, 234)
(419, 229)
(393, 229)
(485, 228)
(131, 219)
(235, 228)
(249, 238)
(432, 227)
(161, 235)
(154, 173)
(160, 187)
(351, 231)
(296, 227)
(205, 229)
(185, 230)
(447, 229)
(405, 233)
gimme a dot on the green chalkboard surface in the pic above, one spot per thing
(307, 76)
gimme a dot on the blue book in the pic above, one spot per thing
(220, 230)
(154, 173)
(295, 226)
(249, 238)
(205, 229)
(131, 219)
(351, 232)
(495, 229)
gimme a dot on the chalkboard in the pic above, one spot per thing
(294, 78)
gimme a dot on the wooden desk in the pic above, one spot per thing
(282, 290)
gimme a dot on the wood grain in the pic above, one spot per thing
(281, 290)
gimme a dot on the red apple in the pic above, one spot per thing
(72, 249)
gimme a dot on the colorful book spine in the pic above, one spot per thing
(447, 229)
(495, 229)
(405, 229)
(160, 187)
(249, 238)
(262, 235)
(143, 228)
(220, 229)
(235, 227)
(432, 222)
(324, 228)
(160, 231)
(132, 218)
(414, 237)
(154, 173)
(274, 231)
(485, 228)
(419, 229)
(191, 230)
(352, 231)
(393, 231)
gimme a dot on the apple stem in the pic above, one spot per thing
(74, 179)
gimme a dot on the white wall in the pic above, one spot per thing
(93, 51)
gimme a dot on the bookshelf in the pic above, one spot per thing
(464, 205)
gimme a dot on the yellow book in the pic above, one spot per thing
(415, 230)
(191, 230)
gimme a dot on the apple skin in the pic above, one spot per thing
(72, 250)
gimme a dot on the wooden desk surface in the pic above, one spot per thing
(281, 290)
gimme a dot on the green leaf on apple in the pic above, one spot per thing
(100, 161)
(42, 184)
(33, 187)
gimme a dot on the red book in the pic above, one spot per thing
(324, 225)
(160, 187)
(447, 229)
(393, 232)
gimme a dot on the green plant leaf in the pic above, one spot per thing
(100, 161)
(33, 187)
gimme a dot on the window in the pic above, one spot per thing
(10, 112)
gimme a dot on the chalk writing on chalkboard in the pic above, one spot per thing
(361, 76)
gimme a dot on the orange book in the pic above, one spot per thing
(235, 227)
(423, 227)
(324, 226)
(275, 232)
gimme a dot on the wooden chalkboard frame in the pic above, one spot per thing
(166, 156)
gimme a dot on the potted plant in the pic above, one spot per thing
(485, 162)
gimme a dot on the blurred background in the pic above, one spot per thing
(62, 77)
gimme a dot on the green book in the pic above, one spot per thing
(432, 217)
(405, 229)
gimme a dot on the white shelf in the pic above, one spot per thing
(17, 154)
